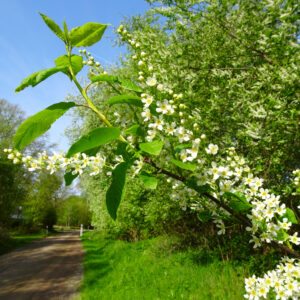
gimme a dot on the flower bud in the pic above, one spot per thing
(97, 64)
(141, 78)
(91, 58)
(150, 68)
(84, 51)
(203, 136)
(143, 54)
(80, 51)
(180, 113)
(84, 62)
(141, 63)
(134, 57)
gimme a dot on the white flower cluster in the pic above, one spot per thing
(77, 164)
(283, 282)
(90, 59)
(233, 175)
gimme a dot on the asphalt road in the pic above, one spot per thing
(50, 268)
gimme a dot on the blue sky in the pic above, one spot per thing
(27, 45)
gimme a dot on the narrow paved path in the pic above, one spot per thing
(50, 268)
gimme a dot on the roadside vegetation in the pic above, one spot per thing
(156, 269)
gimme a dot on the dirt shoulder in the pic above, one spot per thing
(50, 268)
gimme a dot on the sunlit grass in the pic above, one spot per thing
(16, 241)
(149, 270)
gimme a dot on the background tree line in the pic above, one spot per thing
(30, 200)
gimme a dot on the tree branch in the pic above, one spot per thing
(244, 221)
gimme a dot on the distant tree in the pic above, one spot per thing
(74, 211)
(12, 177)
(40, 206)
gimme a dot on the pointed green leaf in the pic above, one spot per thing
(39, 123)
(281, 236)
(66, 31)
(204, 216)
(125, 99)
(37, 77)
(192, 183)
(238, 201)
(116, 191)
(149, 181)
(129, 85)
(76, 61)
(86, 35)
(178, 148)
(53, 26)
(152, 147)
(93, 139)
(69, 177)
(92, 152)
(135, 130)
(124, 150)
(104, 77)
(290, 215)
(184, 165)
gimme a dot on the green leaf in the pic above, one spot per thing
(238, 201)
(281, 236)
(152, 147)
(92, 152)
(116, 191)
(135, 130)
(290, 215)
(122, 150)
(66, 31)
(184, 165)
(129, 85)
(94, 138)
(104, 77)
(39, 123)
(86, 35)
(149, 181)
(37, 77)
(125, 99)
(53, 26)
(76, 62)
(192, 183)
(69, 177)
(204, 216)
(183, 146)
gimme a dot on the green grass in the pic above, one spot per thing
(118, 270)
(17, 240)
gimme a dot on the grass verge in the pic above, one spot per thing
(17, 240)
(149, 269)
